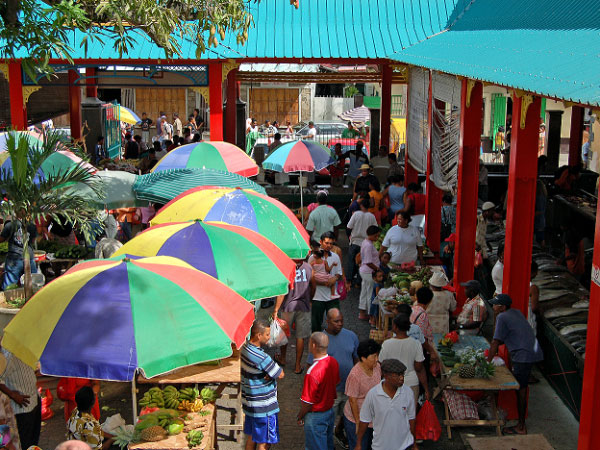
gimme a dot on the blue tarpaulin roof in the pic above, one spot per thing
(549, 47)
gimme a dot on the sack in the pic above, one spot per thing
(278, 337)
(428, 426)
(340, 288)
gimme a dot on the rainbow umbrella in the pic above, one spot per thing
(241, 207)
(209, 155)
(244, 260)
(128, 116)
(107, 319)
(299, 156)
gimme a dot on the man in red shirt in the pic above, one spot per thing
(318, 395)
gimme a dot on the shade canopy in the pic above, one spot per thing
(106, 319)
(117, 190)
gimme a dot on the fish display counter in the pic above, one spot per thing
(562, 328)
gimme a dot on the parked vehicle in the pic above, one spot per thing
(325, 131)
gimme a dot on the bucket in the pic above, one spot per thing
(37, 281)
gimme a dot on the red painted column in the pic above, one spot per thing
(231, 111)
(410, 174)
(18, 112)
(522, 178)
(215, 103)
(468, 184)
(589, 419)
(386, 106)
(91, 84)
(576, 136)
(74, 104)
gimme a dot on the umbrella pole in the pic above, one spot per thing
(134, 399)
(301, 198)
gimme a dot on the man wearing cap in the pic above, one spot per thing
(323, 218)
(513, 330)
(442, 304)
(318, 396)
(364, 180)
(390, 406)
(447, 255)
(487, 212)
(473, 313)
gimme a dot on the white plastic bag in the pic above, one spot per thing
(112, 423)
(278, 337)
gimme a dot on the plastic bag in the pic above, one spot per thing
(428, 426)
(113, 423)
(47, 400)
(340, 288)
(278, 337)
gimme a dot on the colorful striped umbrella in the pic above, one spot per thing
(244, 208)
(117, 190)
(299, 156)
(244, 260)
(106, 319)
(128, 116)
(209, 155)
(161, 187)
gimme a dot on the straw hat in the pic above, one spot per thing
(438, 279)
(365, 167)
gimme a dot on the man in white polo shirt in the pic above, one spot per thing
(390, 406)
(322, 301)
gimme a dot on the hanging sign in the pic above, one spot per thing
(596, 274)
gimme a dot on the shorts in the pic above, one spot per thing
(302, 321)
(521, 372)
(263, 430)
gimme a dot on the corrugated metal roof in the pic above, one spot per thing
(318, 29)
(551, 48)
(279, 68)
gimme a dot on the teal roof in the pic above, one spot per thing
(348, 29)
(549, 47)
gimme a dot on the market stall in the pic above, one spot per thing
(223, 373)
(454, 380)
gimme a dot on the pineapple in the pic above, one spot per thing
(153, 434)
(466, 371)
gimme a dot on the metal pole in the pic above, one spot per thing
(301, 199)
(134, 399)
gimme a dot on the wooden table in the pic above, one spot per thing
(503, 380)
(223, 373)
(207, 423)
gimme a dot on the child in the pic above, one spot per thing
(322, 270)
(378, 277)
(384, 261)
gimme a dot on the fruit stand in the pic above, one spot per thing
(222, 373)
(501, 380)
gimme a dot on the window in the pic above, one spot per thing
(397, 106)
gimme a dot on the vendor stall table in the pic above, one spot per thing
(503, 380)
(207, 423)
(223, 373)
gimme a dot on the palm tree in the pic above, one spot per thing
(31, 195)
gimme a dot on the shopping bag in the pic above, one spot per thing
(278, 337)
(341, 288)
(47, 400)
(284, 326)
(428, 426)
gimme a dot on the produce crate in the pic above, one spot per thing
(6, 296)
(377, 335)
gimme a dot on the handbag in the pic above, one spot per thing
(340, 288)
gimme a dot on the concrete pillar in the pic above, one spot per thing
(386, 106)
(74, 104)
(18, 112)
(215, 103)
(230, 109)
(91, 84)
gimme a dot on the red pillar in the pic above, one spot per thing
(386, 106)
(75, 104)
(589, 438)
(522, 178)
(215, 103)
(18, 112)
(576, 136)
(91, 84)
(231, 111)
(468, 184)
(433, 208)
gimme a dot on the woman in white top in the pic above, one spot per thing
(403, 242)
(410, 352)
(498, 270)
(442, 304)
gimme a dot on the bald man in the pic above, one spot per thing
(318, 395)
(72, 445)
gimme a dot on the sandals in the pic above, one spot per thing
(512, 431)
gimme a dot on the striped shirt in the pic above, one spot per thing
(19, 377)
(259, 382)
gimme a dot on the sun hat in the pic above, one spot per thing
(438, 279)
(487, 206)
(365, 167)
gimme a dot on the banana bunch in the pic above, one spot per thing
(171, 397)
(153, 398)
(194, 438)
(194, 406)
(188, 394)
(165, 418)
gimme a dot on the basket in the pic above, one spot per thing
(377, 335)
